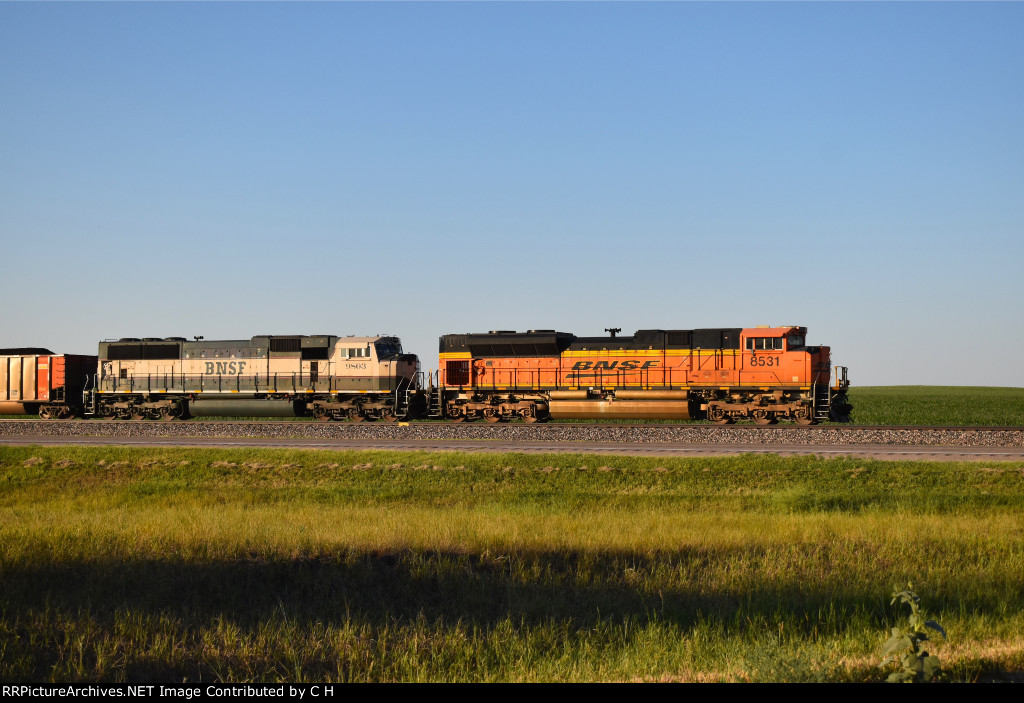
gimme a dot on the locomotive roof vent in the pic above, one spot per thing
(502, 332)
(129, 339)
(174, 339)
(152, 339)
(542, 331)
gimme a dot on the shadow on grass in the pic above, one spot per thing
(584, 592)
(400, 586)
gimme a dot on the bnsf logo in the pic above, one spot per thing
(628, 365)
(228, 368)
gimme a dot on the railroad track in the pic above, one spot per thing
(538, 427)
(836, 434)
(652, 439)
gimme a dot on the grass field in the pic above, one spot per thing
(937, 405)
(122, 564)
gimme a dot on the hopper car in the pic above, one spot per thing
(34, 381)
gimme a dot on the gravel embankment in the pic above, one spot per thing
(697, 434)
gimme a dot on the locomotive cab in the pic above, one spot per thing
(778, 359)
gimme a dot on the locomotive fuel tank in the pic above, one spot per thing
(623, 405)
(246, 408)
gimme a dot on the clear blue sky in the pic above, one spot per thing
(353, 168)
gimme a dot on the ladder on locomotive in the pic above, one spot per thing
(822, 401)
(402, 398)
(822, 394)
(435, 408)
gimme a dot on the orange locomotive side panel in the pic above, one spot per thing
(630, 366)
(764, 374)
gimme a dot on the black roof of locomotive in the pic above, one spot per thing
(175, 347)
(507, 343)
(503, 343)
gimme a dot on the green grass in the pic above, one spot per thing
(144, 564)
(937, 405)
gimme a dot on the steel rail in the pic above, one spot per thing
(842, 427)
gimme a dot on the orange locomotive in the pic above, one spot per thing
(764, 374)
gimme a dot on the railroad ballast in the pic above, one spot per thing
(763, 374)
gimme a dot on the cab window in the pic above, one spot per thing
(764, 343)
(388, 349)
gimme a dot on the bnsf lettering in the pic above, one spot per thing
(628, 365)
(225, 368)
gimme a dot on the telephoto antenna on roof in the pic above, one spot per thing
(197, 338)
(613, 331)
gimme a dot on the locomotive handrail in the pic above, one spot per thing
(841, 381)
(266, 383)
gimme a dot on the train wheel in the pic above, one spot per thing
(763, 417)
(167, 414)
(388, 415)
(802, 416)
(44, 412)
(529, 418)
(718, 415)
(137, 414)
(492, 415)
